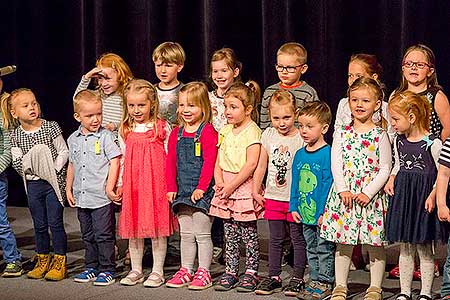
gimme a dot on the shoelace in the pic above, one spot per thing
(42, 261)
(57, 262)
(10, 266)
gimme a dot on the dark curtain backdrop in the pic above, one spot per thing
(54, 42)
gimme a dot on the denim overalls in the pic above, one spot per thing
(189, 167)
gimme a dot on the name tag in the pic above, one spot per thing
(97, 147)
(198, 149)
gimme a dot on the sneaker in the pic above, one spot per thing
(247, 283)
(13, 269)
(269, 286)
(104, 279)
(90, 274)
(316, 291)
(394, 273)
(202, 280)
(181, 278)
(295, 286)
(226, 282)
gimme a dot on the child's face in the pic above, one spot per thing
(416, 69)
(222, 75)
(167, 72)
(356, 70)
(90, 116)
(191, 113)
(108, 80)
(235, 111)
(311, 130)
(287, 61)
(282, 117)
(25, 108)
(400, 122)
(363, 103)
(139, 107)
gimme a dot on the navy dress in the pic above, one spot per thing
(407, 219)
(189, 167)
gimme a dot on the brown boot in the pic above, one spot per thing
(41, 267)
(58, 268)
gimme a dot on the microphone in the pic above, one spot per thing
(7, 70)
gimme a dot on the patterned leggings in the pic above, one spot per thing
(235, 231)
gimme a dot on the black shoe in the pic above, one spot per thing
(295, 286)
(269, 286)
(247, 283)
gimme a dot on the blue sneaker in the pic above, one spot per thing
(104, 279)
(88, 275)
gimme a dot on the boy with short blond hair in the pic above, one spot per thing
(291, 65)
(169, 60)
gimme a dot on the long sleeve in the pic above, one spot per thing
(63, 152)
(327, 181)
(380, 179)
(293, 201)
(264, 114)
(5, 156)
(171, 162)
(337, 164)
(208, 141)
(84, 83)
(17, 156)
(396, 166)
(342, 114)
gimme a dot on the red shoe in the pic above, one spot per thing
(395, 273)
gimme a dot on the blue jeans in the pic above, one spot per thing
(46, 211)
(445, 288)
(320, 255)
(7, 238)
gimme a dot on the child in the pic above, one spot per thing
(225, 70)
(145, 209)
(291, 65)
(279, 143)
(112, 74)
(239, 147)
(410, 219)
(442, 194)
(355, 209)
(91, 179)
(361, 65)
(419, 76)
(39, 155)
(190, 168)
(312, 179)
(169, 60)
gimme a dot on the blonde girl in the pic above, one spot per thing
(145, 209)
(239, 147)
(360, 163)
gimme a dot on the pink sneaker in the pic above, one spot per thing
(202, 280)
(180, 279)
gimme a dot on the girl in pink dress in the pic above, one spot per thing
(145, 209)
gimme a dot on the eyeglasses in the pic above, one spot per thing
(419, 64)
(289, 69)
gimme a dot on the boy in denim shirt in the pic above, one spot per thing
(94, 163)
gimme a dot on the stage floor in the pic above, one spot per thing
(23, 288)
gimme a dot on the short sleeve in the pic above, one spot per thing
(111, 148)
(252, 136)
(444, 157)
(266, 138)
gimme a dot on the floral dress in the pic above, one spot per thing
(360, 171)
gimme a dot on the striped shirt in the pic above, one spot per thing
(112, 104)
(303, 93)
(444, 157)
(5, 147)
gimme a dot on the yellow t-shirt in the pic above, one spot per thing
(233, 147)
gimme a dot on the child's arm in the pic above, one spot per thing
(339, 121)
(442, 182)
(69, 184)
(337, 169)
(264, 120)
(442, 108)
(218, 175)
(86, 79)
(171, 166)
(113, 174)
(246, 171)
(293, 199)
(430, 202)
(208, 142)
(5, 156)
(380, 179)
(258, 176)
(389, 187)
(325, 183)
(122, 158)
(16, 155)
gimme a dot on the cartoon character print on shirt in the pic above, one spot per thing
(281, 157)
(411, 161)
(307, 205)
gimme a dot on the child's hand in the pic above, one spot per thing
(429, 204)
(443, 213)
(197, 195)
(111, 126)
(93, 73)
(70, 198)
(119, 192)
(113, 196)
(171, 196)
(219, 186)
(226, 191)
(296, 216)
(259, 198)
(362, 199)
(347, 198)
(389, 187)
(319, 221)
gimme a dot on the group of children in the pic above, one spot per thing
(177, 157)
